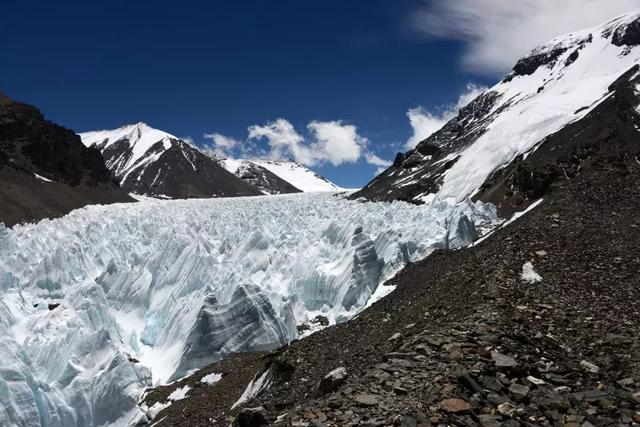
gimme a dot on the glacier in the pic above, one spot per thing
(107, 301)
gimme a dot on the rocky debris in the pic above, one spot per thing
(251, 417)
(455, 405)
(364, 399)
(333, 380)
(503, 361)
(589, 367)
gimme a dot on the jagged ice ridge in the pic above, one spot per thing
(150, 291)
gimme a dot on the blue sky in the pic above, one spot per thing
(332, 69)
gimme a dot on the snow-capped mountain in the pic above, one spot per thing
(151, 162)
(557, 84)
(300, 177)
(258, 176)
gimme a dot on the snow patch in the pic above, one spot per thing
(42, 178)
(211, 378)
(179, 393)
(529, 275)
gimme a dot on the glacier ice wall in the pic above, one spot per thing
(108, 300)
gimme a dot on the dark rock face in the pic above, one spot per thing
(71, 175)
(30, 142)
(421, 170)
(528, 65)
(179, 172)
(628, 35)
(572, 58)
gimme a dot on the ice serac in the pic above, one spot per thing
(556, 84)
(246, 323)
(108, 300)
(152, 162)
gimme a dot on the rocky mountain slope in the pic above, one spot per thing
(45, 170)
(545, 335)
(258, 176)
(154, 163)
(556, 84)
(301, 177)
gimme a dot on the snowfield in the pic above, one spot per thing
(108, 300)
(544, 102)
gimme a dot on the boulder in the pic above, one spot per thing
(333, 380)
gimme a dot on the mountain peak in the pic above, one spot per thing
(290, 171)
(556, 84)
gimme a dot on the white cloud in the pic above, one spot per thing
(498, 32)
(221, 145)
(373, 159)
(284, 141)
(424, 123)
(334, 142)
(188, 140)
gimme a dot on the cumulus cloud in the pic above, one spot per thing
(498, 32)
(284, 141)
(373, 159)
(188, 140)
(424, 123)
(334, 142)
(221, 146)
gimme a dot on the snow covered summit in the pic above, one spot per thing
(152, 162)
(556, 84)
(298, 176)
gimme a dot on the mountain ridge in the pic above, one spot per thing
(141, 156)
(152, 162)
